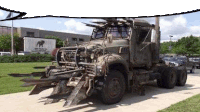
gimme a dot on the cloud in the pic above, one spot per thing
(40, 28)
(1, 13)
(67, 31)
(177, 26)
(59, 22)
(77, 27)
(1, 17)
(195, 30)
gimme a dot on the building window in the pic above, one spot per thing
(30, 34)
(81, 39)
(74, 39)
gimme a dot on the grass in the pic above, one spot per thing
(189, 105)
(10, 84)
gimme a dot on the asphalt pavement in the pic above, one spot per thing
(154, 100)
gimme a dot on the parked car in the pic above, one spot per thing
(172, 61)
(180, 61)
(190, 66)
(23, 53)
(166, 59)
(196, 61)
(5, 53)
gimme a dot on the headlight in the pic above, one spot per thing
(98, 70)
(92, 56)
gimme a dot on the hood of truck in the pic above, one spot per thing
(99, 42)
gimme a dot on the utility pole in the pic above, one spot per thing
(157, 39)
(170, 47)
(10, 15)
(12, 40)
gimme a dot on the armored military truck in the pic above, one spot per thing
(122, 55)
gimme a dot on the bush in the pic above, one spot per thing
(27, 58)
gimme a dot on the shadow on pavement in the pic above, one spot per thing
(128, 99)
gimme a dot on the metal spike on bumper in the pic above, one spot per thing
(26, 75)
(59, 89)
(29, 80)
(76, 96)
(58, 96)
(39, 88)
(35, 83)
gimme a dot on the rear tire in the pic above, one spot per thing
(168, 78)
(113, 88)
(161, 70)
(181, 77)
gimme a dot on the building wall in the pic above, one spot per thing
(23, 32)
(30, 32)
(7, 30)
(71, 37)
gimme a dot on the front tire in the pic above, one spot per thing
(113, 88)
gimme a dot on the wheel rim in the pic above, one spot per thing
(114, 87)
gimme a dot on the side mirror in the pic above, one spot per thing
(109, 38)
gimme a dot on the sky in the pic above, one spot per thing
(178, 25)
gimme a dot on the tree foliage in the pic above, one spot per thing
(165, 47)
(5, 41)
(185, 46)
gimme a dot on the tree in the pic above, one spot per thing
(59, 42)
(187, 45)
(164, 47)
(181, 50)
(5, 41)
(184, 46)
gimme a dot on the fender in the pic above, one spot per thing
(107, 60)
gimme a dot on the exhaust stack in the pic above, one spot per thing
(157, 38)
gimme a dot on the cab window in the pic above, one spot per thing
(119, 32)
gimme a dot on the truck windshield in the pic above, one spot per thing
(98, 33)
(119, 32)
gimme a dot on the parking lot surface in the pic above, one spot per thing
(154, 100)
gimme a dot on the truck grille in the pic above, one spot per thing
(73, 59)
